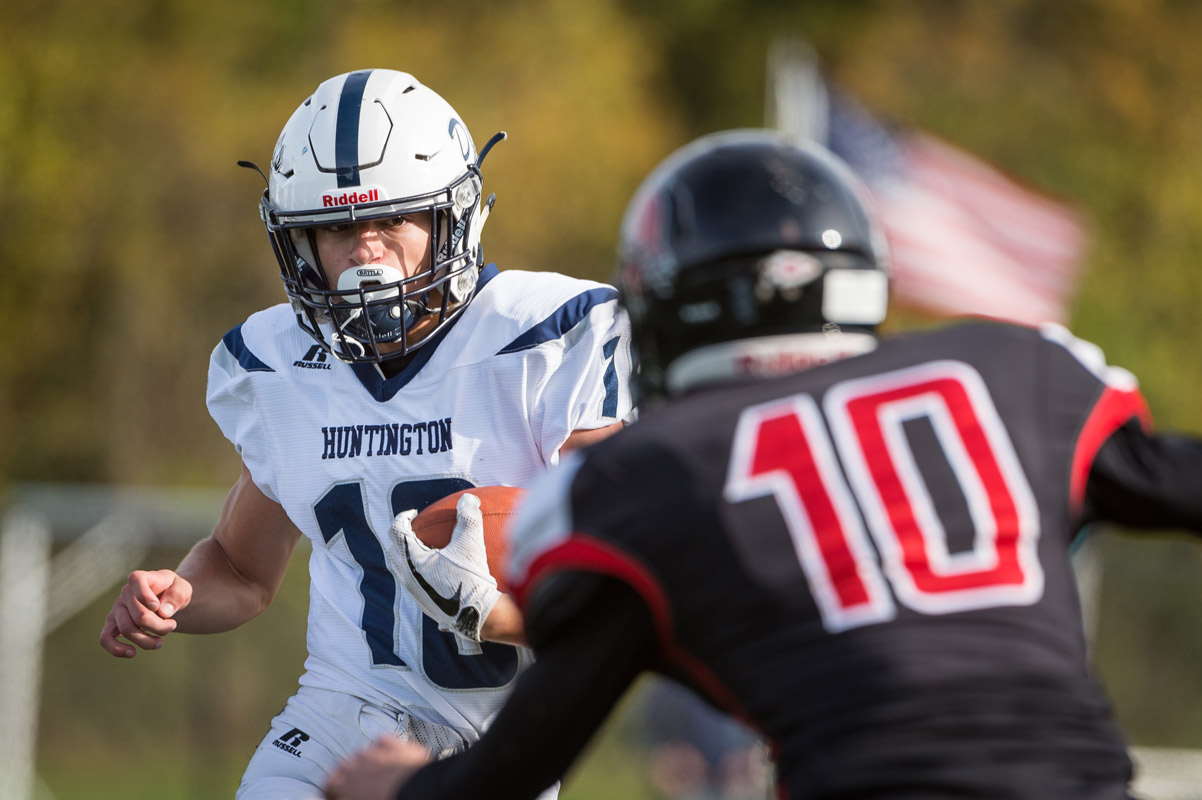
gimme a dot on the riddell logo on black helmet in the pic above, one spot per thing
(349, 198)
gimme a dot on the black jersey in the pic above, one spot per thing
(868, 561)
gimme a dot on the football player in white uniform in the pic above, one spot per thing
(401, 370)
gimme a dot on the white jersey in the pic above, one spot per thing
(534, 357)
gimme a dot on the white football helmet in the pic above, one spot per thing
(368, 145)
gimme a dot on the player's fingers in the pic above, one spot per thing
(395, 750)
(109, 641)
(336, 780)
(467, 538)
(404, 520)
(144, 586)
(146, 630)
(145, 616)
(468, 504)
(468, 518)
(402, 524)
(332, 790)
(378, 770)
(413, 547)
(150, 622)
(174, 597)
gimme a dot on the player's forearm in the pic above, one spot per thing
(584, 666)
(504, 623)
(222, 597)
(556, 706)
(584, 438)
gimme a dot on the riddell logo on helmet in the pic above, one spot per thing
(349, 198)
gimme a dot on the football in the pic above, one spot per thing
(498, 504)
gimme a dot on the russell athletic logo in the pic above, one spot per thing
(350, 198)
(314, 359)
(291, 741)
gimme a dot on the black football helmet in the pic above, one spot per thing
(745, 235)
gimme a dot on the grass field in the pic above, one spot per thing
(612, 769)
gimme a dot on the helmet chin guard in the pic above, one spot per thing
(376, 145)
(380, 313)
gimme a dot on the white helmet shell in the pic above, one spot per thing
(367, 145)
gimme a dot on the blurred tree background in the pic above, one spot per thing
(130, 242)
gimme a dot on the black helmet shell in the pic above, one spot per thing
(732, 237)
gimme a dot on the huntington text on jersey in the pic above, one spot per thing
(387, 439)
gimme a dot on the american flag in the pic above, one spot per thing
(965, 238)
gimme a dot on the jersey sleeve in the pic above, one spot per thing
(231, 399)
(587, 383)
(580, 673)
(1142, 480)
(1089, 398)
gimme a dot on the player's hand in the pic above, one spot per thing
(451, 584)
(142, 613)
(376, 772)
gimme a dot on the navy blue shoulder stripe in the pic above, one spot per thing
(237, 346)
(346, 135)
(563, 320)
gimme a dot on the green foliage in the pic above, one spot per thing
(129, 241)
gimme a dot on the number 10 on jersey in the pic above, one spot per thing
(783, 449)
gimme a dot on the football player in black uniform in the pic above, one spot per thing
(860, 547)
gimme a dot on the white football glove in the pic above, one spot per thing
(451, 584)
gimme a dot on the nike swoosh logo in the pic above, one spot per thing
(447, 605)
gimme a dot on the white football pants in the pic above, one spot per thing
(318, 729)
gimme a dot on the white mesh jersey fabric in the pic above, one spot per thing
(535, 357)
